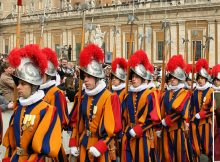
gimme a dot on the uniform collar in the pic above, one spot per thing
(37, 96)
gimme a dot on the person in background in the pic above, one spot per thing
(69, 52)
(216, 77)
(6, 81)
(189, 77)
(53, 95)
(201, 112)
(34, 125)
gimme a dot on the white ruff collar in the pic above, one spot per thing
(119, 87)
(48, 84)
(151, 85)
(216, 88)
(139, 88)
(101, 85)
(37, 96)
(189, 87)
(202, 88)
(176, 88)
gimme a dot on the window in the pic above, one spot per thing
(160, 50)
(127, 49)
(103, 47)
(6, 49)
(198, 49)
(78, 48)
(57, 49)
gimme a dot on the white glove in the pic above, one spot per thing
(164, 122)
(10, 105)
(74, 151)
(197, 116)
(94, 151)
(158, 133)
(132, 132)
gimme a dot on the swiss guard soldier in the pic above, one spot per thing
(35, 124)
(118, 77)
(53, 95)
(141, 112)
(119, 67)
(216, 77)
(201, 112)
(174, 111)
(189, 79)
(99, 112)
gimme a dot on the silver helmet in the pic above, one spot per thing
(204, 73)
(179, 74)
(94, 69)
(51, 70)
(217, 76)
(120, 73)
(29, 72)
(141, 71)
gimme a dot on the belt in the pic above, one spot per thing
(20, 151)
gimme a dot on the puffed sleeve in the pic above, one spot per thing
(47, 138)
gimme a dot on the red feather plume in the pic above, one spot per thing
(32, 52)
(188, 68)
(216, 70)
(139, 57)
(89, 53)
(174, 62)
(202, 63)
(51, 56)
(150, 68)
(120, 62)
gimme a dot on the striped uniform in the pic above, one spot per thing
(33, 142)
(56, 97)
(201, 129)
(98, 121)
(175, 110)
(141, 112)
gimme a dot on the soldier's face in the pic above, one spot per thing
(201, 80)
(217, 82)
(89, 82)
(189, 82)
(24, 89)
(115, 81)
(136, 80)
(174, 81)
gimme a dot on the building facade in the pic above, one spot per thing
(193, 27)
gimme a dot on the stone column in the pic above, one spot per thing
(148, 33)
(181, 37)
(49, 39)
(64, 36)
(173, 39)
(211, 33)
(31, 37)
(118, 43)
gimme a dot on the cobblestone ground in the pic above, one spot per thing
(6, 117)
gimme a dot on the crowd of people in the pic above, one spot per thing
(128, 111)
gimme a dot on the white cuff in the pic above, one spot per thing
(132, 132)
(158, 133)
(94, 151)
(197, 116)
(164, 122)
(74, 151)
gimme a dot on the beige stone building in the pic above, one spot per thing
(190, 21)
